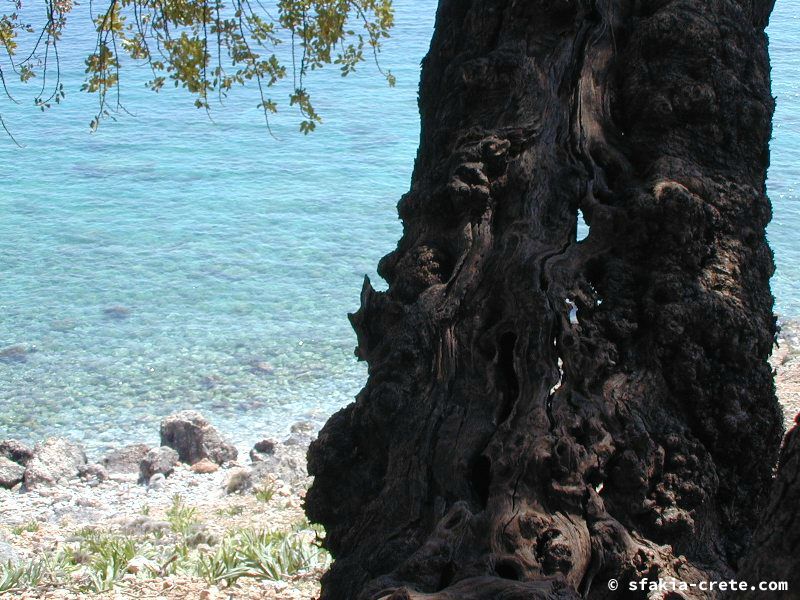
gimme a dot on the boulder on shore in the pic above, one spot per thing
(195, 438)
(16, 451)
(263, 450)
(125, 460)
(205, 466)
(160, 460)
(10, 473)
(239, 480)
(53, 461)
(93, 474)
(286, 461)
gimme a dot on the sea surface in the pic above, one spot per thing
(168, 262)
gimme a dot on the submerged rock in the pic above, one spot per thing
(261, 367)
(54, 460)
(16, 451)
(64, 325)
(209, 382)
(125, 460)
(14, 354)
(160, 460)
(10, 473)
(195, 438)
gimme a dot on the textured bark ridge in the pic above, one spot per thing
(776, 549)
(543, 414)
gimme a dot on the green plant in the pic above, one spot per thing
(223, 565)
(181, 517)
(17, 577)
(30, 526)
(272, 555)
(105, 558)
(265, 493)
(231, 511)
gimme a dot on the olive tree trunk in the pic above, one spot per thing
(544, 414)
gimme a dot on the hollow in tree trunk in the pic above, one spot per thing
(545, 414)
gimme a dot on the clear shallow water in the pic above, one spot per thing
(230, 248)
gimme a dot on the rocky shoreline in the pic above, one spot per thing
(186, 511)
(174, 515)
(785, 361)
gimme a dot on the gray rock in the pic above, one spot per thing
(125, 460)
(201, 534)
(16, 451)
(306, 427)
(160, 460)
(239, 480)
(157, 481)
(302, 434)
(142, 524)
(10, 473)
(93, 474)
(298, 439)
(13, 354)
(195, 438)
(54, 460)
(287, 462)
(8, 554)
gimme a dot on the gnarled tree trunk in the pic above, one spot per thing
(775, 555)
(544, 414)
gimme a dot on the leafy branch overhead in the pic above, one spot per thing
(207, 47)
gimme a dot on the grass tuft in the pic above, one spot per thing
(105, 558)
(231, 511)
(182, 518)
(30, 526)
(94, 560)
(262, 554)
(264, 493)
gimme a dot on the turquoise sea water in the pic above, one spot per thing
(228, 248)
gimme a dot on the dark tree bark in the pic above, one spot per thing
(543, 414)
(775, 553)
